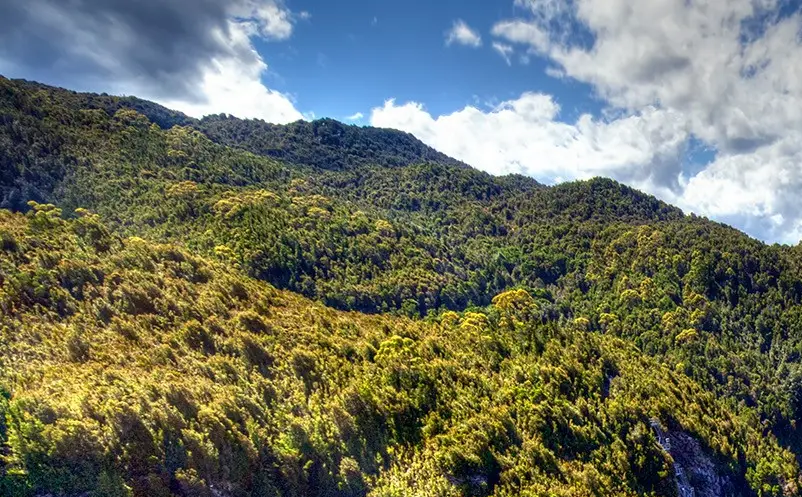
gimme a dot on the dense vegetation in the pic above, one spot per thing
(494, 336)
(325, 143)
(140, 369)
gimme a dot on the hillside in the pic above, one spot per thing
(325, 143)
(322, 300)
(439, 221)
(137, 368)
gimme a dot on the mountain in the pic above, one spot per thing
(229, 307)
(325, 143)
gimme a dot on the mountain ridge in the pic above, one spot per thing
(218, 127)
(493, 335)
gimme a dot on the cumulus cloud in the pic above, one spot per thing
(524, 136)
(724, 73)
(519, 31)
(196, 55)
(504, 50)
(758, 191)
(355, 117)
(462, 34)
(234, 88)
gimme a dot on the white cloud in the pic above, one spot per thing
(546, 10)
(504, 50)
(232, 85)
(554, 73)
(273, 20)
(194, 56)
(759, 190)
(726, 73)
(693, 59)
(524, 135)
(355, 117)
(462, 34)
(519, 31)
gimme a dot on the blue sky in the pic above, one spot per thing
(698, 102)
(351, 56)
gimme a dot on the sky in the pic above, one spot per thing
(698, 102)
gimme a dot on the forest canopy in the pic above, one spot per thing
(229, 307)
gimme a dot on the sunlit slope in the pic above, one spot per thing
(132, 368)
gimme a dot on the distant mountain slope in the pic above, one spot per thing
(601, 199)
(162, 116)
(324, 143)
(369, 238)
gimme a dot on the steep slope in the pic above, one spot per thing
(130, 368)
(704, 300)
(121, 167)
(446, 222)
(158, 114)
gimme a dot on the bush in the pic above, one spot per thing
(78, 347)
(253, 322)
(8, 242)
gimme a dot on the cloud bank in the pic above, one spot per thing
(671, 72)
(193, 55)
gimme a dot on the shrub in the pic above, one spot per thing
(78, 347)
(8, 242)
(253, 322)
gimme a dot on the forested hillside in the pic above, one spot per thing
(229, 307)
(326, 143)
(130, 367)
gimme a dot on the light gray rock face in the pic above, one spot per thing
(695, 473)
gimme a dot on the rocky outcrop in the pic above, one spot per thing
(695, 473)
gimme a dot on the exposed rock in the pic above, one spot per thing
(695, 472)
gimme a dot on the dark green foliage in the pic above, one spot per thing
(225, 382)
(163, 117)
(324, 144)
(156, 369)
